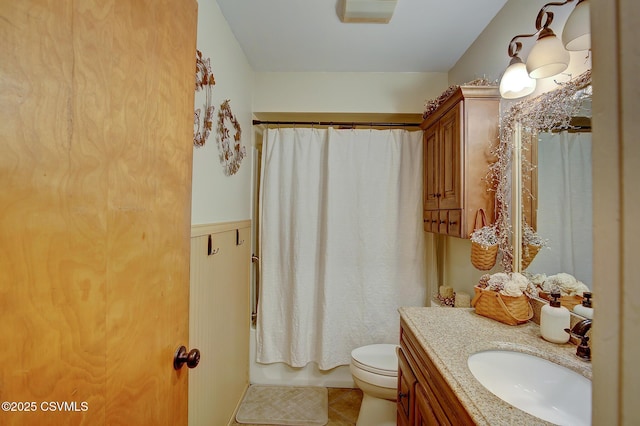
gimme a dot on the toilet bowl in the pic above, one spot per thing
(375, 371)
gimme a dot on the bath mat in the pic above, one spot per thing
(284, 405)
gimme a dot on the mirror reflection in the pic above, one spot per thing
(563, 205)
(546, 148)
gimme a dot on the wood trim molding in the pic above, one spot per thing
(214, 228)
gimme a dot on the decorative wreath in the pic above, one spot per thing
(204, 80)
(229, 157)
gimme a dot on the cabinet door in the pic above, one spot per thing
(449, 136)
(431, 160)
(406, 391)
(424, 412)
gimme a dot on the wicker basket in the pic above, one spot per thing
(506, 309)
(482, 257)
(528, 253)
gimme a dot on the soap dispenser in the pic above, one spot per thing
(585, 309)
(554, 318)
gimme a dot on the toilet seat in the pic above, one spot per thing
(380, 359)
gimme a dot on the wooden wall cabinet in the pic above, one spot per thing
(424, 397)
(458, 139)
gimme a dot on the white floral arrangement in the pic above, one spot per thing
(536, 281)
(512, 284)
(565, 284)
(485, 236)
(531, 237)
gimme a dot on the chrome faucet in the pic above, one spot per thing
(580, 331)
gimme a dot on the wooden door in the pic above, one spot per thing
(450, 172)
(96, 113)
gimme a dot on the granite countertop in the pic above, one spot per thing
(450, 335)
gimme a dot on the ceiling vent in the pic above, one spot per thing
(368, 11)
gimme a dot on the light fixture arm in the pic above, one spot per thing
(543, 20)
(515, 46)
(547, 16)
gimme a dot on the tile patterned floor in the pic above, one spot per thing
(344, 405)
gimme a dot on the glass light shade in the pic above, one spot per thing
(547, 58)
(576, 34)
(515, 82)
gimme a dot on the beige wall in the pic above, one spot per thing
(346, 92)
(215, 196)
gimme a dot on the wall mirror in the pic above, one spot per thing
(557, 197)
(543, 180)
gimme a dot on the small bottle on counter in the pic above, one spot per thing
(554, 318)
(586, 308)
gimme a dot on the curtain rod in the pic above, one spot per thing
(336, 123)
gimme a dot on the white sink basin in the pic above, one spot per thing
(539, 387)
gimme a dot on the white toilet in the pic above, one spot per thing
(375, 370)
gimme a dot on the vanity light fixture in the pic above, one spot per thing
(515, 82)
(548, 56)
(576, 34)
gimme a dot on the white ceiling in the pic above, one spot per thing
(307, 35)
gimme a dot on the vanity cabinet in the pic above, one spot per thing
(458, 138)
(424, 397)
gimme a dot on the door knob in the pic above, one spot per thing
(191, 358)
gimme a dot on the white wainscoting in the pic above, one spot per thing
(219, 320)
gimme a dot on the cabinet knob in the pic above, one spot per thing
(402, 395)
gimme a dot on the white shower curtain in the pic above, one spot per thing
(342, 246)
(565, 205)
